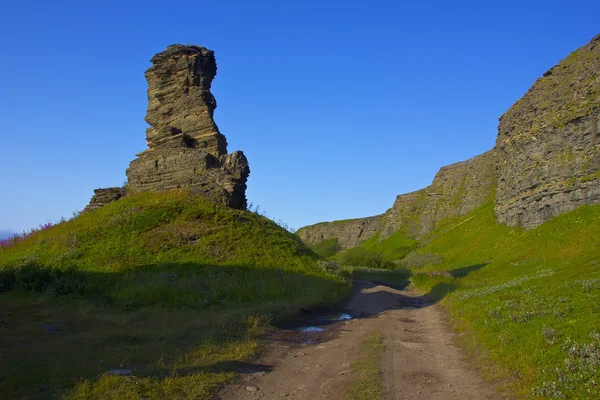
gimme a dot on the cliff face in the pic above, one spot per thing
(185, 146)
(349, 233)
(548, 159)
(455, 190)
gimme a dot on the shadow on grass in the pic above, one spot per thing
(462, 272)
(239, 367)
(159, 321)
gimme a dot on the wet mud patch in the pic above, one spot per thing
(311, 328)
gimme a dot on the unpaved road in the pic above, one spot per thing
(420, 360)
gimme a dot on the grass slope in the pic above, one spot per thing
(528, 300)
(169, 285)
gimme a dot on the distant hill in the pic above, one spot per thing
(5, 233)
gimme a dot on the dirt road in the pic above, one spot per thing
(419, 362)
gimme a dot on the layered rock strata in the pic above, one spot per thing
(547, 145)
(185, 147)
(349, 233)
(456, 190)
(546, 160)
(104, 196)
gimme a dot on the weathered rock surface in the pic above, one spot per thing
(104, 196)
(546, 161)
(185, 146)
(547, 145)
(456, 190)
(180, 101)
(349, 233)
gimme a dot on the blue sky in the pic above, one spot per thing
(339, 105)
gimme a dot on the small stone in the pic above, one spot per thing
(344, 373)
(252, 388)
(119, 372)
(346, 365)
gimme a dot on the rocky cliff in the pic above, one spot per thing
(349, 233)
(104, 196)
(546, 161)
(456, 189)
(547, 145)
(185, 146)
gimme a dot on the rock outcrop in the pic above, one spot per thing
(547, 145)
(349, 233)
(546, 160)
(185, 146)
(455, 191)
(104, 196)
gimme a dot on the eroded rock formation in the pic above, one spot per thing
(185, 146)
(455, 191)
(349, 233)
(546, 160)
(104, 196)
(548, 156)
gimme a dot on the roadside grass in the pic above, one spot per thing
(168, 285)
(396, 277)
(367, 372)
(530, 299)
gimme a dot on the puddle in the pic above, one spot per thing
(336, 317)
(310, 329)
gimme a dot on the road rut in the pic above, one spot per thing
(420, 360)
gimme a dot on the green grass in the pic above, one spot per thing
(373, 253)
(392, 248)
(326, 248)
(395, 277)
(169, 285)
(366, 383)
(527, 300)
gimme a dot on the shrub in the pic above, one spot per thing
(361, 257)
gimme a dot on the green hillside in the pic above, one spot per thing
(168, 285)
(527, 302)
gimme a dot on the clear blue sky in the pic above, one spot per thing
(339, 105)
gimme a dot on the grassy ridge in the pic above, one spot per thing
(168, 285)
(529, 298)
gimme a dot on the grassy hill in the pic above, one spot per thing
(168, 285)
(527, 302)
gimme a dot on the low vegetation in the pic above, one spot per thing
(326, 248)
(526, 301)
(168, 287)
(367, 373)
